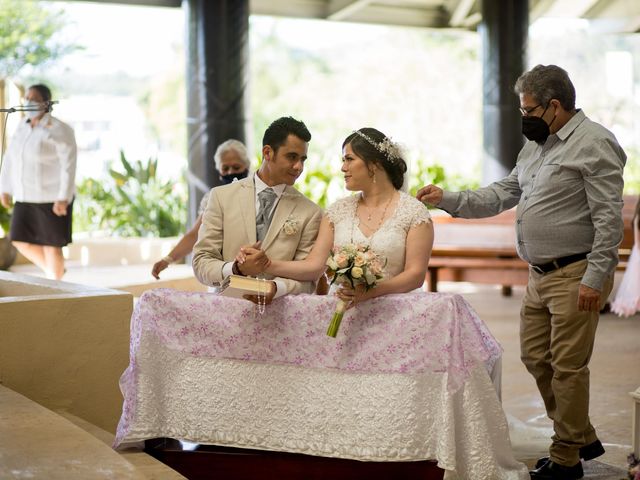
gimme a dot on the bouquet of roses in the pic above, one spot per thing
(353, 265)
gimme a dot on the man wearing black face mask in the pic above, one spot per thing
(232, 163)
(535, 128)
(567, 185)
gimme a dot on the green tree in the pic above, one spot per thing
(29, 35)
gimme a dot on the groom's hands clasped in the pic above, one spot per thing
(251, 260)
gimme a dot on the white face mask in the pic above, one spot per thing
(33, 113)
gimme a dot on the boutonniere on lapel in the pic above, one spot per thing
(290, 226)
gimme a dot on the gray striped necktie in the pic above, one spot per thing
(267, 198)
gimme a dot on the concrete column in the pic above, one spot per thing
(504, 32)
(217, 82)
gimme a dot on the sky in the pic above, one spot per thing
(98, 28)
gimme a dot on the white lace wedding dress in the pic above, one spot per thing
(406, 379)
(389, 240)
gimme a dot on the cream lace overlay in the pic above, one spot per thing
(382, 417)
(390, 239)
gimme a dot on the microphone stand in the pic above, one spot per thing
(26, 108)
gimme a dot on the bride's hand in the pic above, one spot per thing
(350, 295)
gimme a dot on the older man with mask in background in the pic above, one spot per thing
(232, 164)
(567, 185)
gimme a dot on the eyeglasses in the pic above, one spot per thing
(528, 111)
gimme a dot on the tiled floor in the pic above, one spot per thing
(615, 371)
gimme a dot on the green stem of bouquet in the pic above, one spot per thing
(332, 331)
(334, 326)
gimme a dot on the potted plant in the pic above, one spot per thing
(7, 251)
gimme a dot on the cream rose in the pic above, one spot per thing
(359, 260)
(356, 272)
(331, 263)
(341, 260)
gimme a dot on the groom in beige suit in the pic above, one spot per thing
(263, 207)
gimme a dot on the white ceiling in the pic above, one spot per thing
(608, 15)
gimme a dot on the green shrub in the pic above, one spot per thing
(132, 203)
(318, 182)
(5, 221)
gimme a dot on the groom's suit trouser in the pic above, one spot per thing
(556, 343)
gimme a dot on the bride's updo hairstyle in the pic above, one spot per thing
(374, 147)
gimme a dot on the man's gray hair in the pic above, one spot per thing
(544, 82)
(235, 145)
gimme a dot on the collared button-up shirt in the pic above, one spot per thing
(568, 193)
(40, 162)
(281, 287)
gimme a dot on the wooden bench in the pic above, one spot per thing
(483, 250)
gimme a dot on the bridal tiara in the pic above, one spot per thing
(386, 147)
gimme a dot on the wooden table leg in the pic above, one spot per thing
(433, 279)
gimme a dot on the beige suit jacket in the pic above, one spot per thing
(229, 222)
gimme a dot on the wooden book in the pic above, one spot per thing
(238, 286)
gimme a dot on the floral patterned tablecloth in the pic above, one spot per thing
(211, 369)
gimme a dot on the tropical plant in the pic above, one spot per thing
(132, 203)
(5, 221)
(317, 182)
(436, 174)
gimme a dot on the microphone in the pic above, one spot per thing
(48, 105)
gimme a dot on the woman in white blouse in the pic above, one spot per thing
(38, 173)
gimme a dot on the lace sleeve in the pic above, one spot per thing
(412, 212)
(340, 210)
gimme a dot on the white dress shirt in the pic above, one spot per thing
(40, 163)
(281, 287)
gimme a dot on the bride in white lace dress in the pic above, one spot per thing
(389, 221)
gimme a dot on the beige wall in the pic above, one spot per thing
(64, 345)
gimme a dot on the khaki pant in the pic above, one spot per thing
(556, 342)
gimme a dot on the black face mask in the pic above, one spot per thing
(535, 128)
(226, 179)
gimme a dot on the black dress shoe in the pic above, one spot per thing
(588, 452)
(591, 451)
(554, 471)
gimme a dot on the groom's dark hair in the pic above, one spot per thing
(280, 129)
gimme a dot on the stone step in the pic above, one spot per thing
(37, 443)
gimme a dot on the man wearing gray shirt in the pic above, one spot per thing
(567, 185)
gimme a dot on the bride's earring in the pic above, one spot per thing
(374, 177)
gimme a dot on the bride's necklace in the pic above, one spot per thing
(369, 211)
